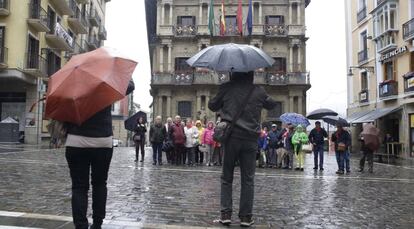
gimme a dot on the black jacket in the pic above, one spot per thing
(158, 133)
(100, 124)
(229, 99)
(341, 137)
(317, 137)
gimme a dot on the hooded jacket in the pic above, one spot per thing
(299, 138)
(208, 135)
(200, 131)
(230, 98)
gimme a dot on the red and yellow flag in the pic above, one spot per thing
(240, 18)
(222, 19)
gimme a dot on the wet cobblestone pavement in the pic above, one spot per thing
(35, 183)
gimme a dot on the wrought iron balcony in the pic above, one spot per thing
(38, 18)
(185, 30)
(94, 18)
(362, 13)
(4, 7)
(275, 30)
(231, 30)
(408, 29)
(388, 88)
(364, 96)
(362, 56)
(58, 38)
(65, 7)
(78, 22)
(93, 43)
(3, 57)
(379, 2)
(102, 33)
(35, 65)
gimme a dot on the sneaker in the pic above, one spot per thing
(348, 172)
(339, 172)
(142, 160)
(154, 163)
(135, 160)
(159, 163)
(361, 170)
(225, 219)
(246, 221)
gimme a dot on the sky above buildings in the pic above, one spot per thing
(326, 50)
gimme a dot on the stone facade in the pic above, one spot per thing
(278, 29)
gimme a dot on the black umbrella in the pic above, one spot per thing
(320, 113)
(132, 121)
(333, 120)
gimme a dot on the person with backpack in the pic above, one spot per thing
(157, 137)
(178, 139)
(89, 148)
(240, 103)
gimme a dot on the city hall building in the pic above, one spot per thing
(380, 60)
(178, 29)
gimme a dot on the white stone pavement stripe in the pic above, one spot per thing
(106, 222)
(13, 227)
(283, 176)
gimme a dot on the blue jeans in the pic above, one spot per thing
(157, 152)
(342, 158)
(318, 152)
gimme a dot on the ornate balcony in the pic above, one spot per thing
(362, 56)
(93, 43)
(364, 96)
(78, 22)
(4, 7)
(58, 38)
(231, 30)
(388, 88)
(38, 19)
(185, 30)
(3, 57)
(296, 30)
(102, 34)
(35, 65)
(275, 30)
(65, 7)
(165, 30)
(94, 18)
(408, 29)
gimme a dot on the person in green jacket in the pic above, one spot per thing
(298, 139)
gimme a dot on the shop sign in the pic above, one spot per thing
(393, 53)
(410, 82)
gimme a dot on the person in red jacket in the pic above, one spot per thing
(177, 136)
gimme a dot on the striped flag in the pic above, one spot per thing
(222, 19)
(211, 25)
(240, 18)
(249, 21)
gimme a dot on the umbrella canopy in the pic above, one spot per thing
(88, 83)
(231, 58)
(320, 113)
(295, 119)
(370, 134)
(132, 121)
(333, 120)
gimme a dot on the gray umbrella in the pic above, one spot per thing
(333, 120)
(320, 113)
(231, 58)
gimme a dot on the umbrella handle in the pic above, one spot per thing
(35, 103)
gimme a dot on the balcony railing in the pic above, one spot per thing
(362, 13)
(364, 96)
(231, 30)
(388, 88)
(296, 30)
(3, 57)
(102, 33)
(93, 42)
(209, 78)
(38, 18)
(4, 7)
(275, 30)
(408, 29)
(185, 30)
(35, 65)
(65, 7)
(78, 22)
(362, 56)
(379, 2)
(59, 38)
(94, 18)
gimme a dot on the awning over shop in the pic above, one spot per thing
(356, 115)
(375, 114)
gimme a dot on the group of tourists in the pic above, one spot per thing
(183, 142)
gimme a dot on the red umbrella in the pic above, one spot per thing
(87, 84)
(370, 135)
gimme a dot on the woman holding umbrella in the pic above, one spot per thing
(139, 138)
(369, 144)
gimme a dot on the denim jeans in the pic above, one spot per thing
(272, 156)
(318, 154)
(245, 152)
(157, 152)
(190, 155)
(81, 161)
(342, 159)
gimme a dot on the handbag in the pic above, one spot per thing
(307, 148)
(137, 138)
(341, 147)
(224, 128)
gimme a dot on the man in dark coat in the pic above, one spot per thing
(342, 140)
(158, 134)
(177, 137)
(242, 144)
(317, 139)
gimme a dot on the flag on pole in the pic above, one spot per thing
(222, 20)
(249, 21)
(211, 25)
(240, 18)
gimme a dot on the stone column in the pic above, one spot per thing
(159, 106)
(162, 14)
(291, 58)
(300, 105)
(208, 113)
(299, 58)
(162, 58)
(299, 16)
(200, 15)
(199, 47)
(169, 58)
(290, 13)
(291, 103)
(198, 104)
(260, 13)
(169, 106)
(171, 14)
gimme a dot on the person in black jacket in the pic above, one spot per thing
(139, 138)
(89, 148)
(317, 139)
(158, 135)
(242, 144)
